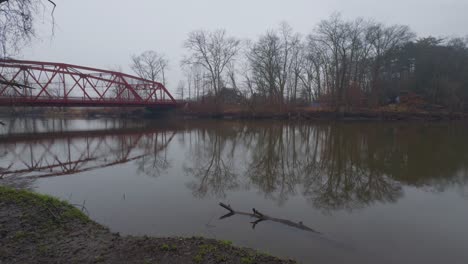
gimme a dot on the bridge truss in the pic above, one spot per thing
(34, 83)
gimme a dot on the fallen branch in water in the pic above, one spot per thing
(262, 217)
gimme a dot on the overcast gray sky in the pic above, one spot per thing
(104, 33)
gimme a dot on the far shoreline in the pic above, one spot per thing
(240, 114)
(331, 116)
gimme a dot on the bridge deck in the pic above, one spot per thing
(82, 102)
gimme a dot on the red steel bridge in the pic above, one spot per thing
(35, 83)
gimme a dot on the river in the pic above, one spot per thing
(377, 192)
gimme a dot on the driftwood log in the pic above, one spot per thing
(262, 217)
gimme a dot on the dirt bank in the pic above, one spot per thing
(39, 229)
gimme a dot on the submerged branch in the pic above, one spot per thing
(262, 217)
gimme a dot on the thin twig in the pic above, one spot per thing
(52, 15)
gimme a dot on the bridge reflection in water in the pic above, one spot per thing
(62, 152)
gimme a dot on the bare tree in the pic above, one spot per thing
(213, 51)
(245, 70)
(383, 40)
(181, 89)
(264, 58)
(332, 34)
(272, 58)
(190, 80)
(17, 19)
(196, 75)
(347, 57)
(311, 73)
(150, 65)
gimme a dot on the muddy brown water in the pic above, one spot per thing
(377, 192)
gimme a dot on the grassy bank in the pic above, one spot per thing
(36, 228)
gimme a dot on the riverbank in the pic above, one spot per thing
(239, 112)
(370, 115)
(41, 229)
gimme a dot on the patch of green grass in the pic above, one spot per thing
(203, 250)
(198, 259)
(99, 259)
(225, 242)
(20, 235)
(43, 250)
(247, 260)
(264, 254)
(221, 258)
(74, 213)
(166, 247)
(59, 210)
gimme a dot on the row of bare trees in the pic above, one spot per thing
(348, 55)
(341, 63)
(344, 62)
(281, 65)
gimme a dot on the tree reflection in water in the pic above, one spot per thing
(275, 166)
(332, 165)
(335, 166)
(346, 170)
(213, 163)
(156, 162)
